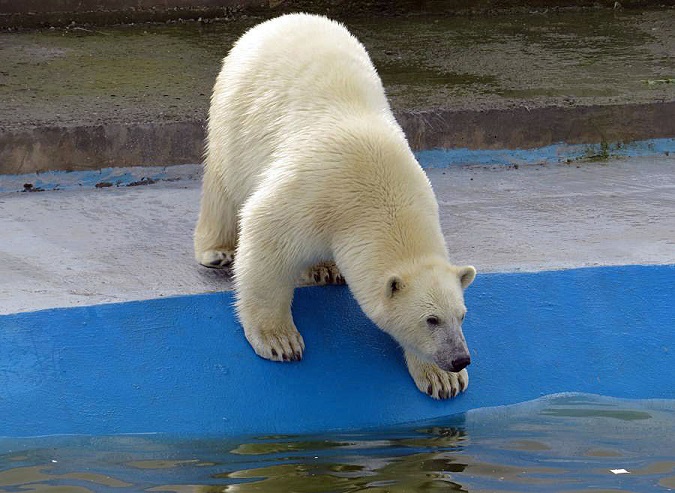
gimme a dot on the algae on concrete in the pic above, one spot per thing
(164, 73)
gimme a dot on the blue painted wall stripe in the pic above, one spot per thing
(557, 153)
(182, 365)
(434, 158)
(103, 178)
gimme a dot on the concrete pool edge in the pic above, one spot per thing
(30, 149)
(462, 418)
(22, 14)
(168, 365)
(558, 153)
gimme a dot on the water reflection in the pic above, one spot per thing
(358, 464)
(560, 443)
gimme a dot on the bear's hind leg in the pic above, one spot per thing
(215, 238)
(433, 381)
(322, 274)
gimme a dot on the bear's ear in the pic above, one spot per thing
(466, 275)
(394, 285)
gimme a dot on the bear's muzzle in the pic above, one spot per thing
(453, 354)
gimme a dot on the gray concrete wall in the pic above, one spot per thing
(40, 13)
(38, 6)
(37, 149)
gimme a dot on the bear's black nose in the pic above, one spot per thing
(460, 363)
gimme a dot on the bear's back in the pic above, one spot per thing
(300, 65)
(287, 90)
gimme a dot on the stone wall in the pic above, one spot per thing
(47, 13)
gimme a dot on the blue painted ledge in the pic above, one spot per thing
(433, 158)
(556, 153)
(181, 365)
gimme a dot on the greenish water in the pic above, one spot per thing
(562, 443)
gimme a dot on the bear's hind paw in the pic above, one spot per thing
(216, 259)
(322, 274)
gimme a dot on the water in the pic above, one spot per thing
(562, 443)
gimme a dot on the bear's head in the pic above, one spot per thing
(423, 309)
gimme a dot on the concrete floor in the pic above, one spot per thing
(89, 98)
(68, 248)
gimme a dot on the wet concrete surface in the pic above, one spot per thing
(164, 73)
(46, 13)
(69, 94)
(112, 244)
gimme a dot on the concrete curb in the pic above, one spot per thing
(133, 176)
(37, 149)
(522, 127)
(68, 148)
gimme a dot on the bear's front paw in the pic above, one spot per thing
(216, 259)
(280, 344)
(322, 274)
(433, 381)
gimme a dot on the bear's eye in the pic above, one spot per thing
(462, 317)
(433, 321)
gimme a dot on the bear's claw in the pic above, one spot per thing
(217, 259)
(433, 381)
(278, 345)
(322, 274)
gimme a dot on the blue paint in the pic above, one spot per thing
(557, 153)
(182, 365)
(434, 158)
(103, 178)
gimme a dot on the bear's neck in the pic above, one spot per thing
(371, 255)
(386, 215)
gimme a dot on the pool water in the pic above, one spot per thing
(559, 443)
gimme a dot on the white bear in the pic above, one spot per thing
(309, 176)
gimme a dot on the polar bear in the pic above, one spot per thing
(308, 176)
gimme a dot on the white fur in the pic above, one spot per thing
(305, 164)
